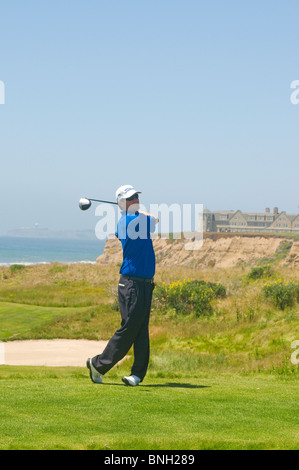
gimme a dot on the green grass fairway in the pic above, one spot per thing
(17, 319)
(60, 408)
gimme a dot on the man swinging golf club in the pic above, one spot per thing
(135, 290)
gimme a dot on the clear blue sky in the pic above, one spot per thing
(188, 100)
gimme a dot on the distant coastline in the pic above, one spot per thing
(39, 250)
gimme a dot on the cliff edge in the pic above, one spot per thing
(218, 250)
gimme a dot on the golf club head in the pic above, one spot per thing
(84, 204)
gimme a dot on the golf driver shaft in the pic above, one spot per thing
(98, 200)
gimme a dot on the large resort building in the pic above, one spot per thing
(238, 221)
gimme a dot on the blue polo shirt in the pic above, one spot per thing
(134, 231)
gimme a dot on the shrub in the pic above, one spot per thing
(284, 249)
(188, 296)
(260, 272)
(14, 268)
(218, 289)
(283, 294)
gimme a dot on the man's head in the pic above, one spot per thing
(127, 197)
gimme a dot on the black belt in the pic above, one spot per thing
(135, 278)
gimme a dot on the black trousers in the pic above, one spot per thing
(135, 297)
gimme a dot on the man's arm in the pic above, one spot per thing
(150, 215)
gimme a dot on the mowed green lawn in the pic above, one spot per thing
(60, 408)
(17, 319)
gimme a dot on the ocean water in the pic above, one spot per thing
(15, 250)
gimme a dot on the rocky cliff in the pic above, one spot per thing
(218, 250)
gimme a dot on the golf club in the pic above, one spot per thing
(85, 203)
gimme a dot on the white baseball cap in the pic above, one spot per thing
(126, 191)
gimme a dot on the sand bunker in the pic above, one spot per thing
(52, 353)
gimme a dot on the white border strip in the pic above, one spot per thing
(2, 353)
(2, 92)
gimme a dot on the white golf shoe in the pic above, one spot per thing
(94, 374)
(133, 380)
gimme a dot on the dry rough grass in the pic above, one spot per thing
(245, 331)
